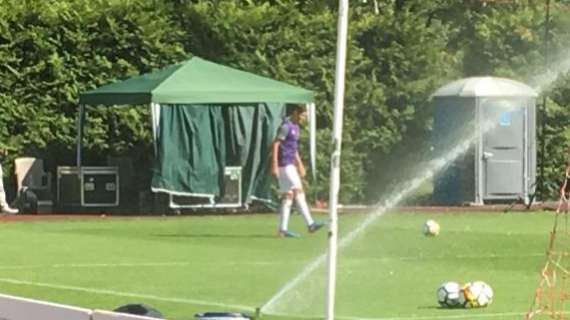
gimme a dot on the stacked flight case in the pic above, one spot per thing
(90, 187)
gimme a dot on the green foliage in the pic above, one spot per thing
(52, 51)
(407, 63)
(399, 52)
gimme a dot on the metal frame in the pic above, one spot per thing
(212, 203)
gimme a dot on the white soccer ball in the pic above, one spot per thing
(431, 228)
(476, 294)
(449, 295)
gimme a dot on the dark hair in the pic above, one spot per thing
(295, 107)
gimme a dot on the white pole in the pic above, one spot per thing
(155, 109)
(335, 157)
(313, 138)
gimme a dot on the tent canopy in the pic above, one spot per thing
(206, 116)
(196, 81)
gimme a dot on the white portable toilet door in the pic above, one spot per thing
(503, 148)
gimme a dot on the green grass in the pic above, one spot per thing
(179, 265)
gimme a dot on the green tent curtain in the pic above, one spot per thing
(196, 143)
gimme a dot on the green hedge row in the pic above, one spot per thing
(399, 53)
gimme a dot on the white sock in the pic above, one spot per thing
(285, 212)
(304, 208)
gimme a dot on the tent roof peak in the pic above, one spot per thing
(196, 81)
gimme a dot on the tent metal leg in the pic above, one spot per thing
(80, 124)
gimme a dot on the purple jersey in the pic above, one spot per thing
(289, 137)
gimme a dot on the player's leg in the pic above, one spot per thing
(287, 195)
(301, 203)
(285, 213)
(301, 200)
(303, 207)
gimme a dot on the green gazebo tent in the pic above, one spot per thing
(206, 117)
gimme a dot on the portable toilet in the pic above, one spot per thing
(498, 117)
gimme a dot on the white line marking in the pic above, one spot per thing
(461, 256)
(255, 263)
(128, 294)
(457, 316)
(125, 264)
(433, 317)
(97, 265)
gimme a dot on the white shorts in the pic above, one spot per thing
(289, 179)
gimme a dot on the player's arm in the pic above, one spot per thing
(299, 164)
(281, 135)
(274, 157)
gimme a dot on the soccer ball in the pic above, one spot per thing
(449, 295)
(476, 294)
(431, 228)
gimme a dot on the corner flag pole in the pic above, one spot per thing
(335, 156)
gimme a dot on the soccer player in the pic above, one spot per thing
(288, 168)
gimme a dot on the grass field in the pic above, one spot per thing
(185, 265)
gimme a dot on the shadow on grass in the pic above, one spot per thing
(430, 307)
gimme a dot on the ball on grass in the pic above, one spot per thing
(431, 228)
(449, 294)
(476, 294)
